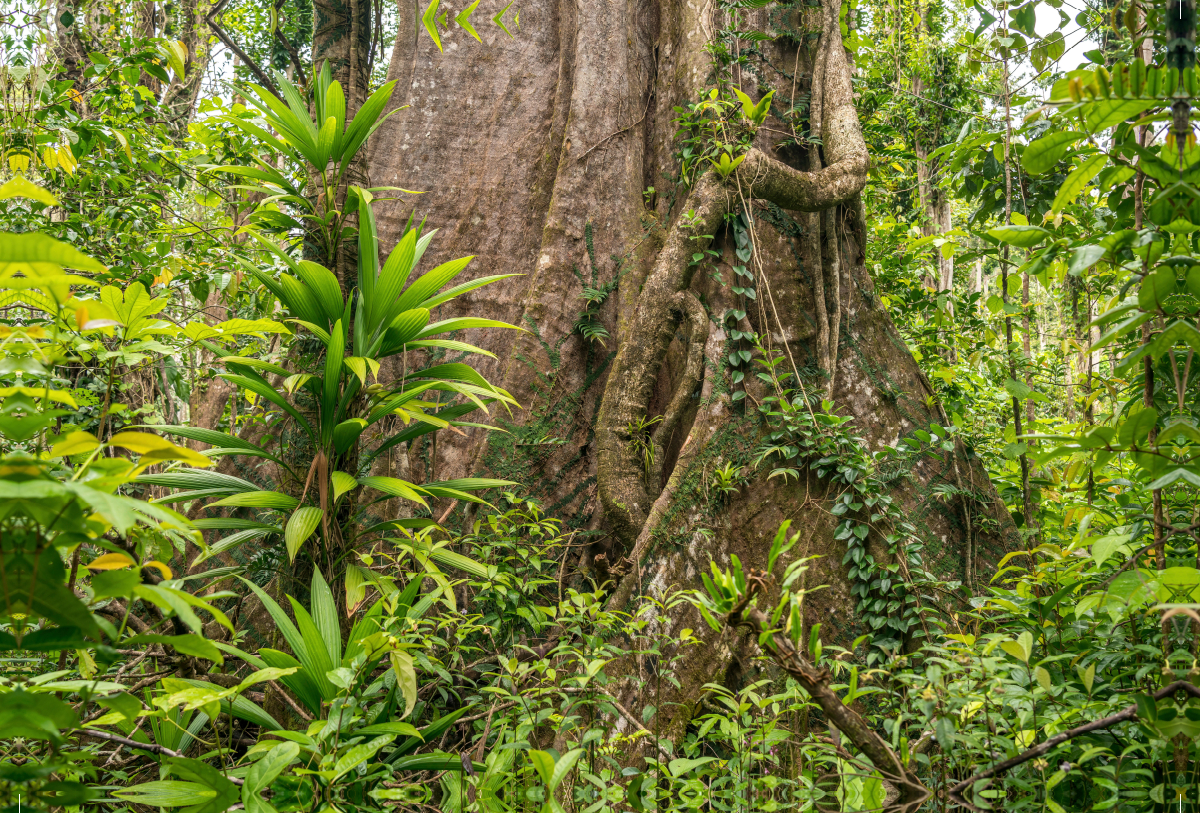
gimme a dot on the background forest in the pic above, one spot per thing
(622, 406)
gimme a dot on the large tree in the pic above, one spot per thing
(538, 154)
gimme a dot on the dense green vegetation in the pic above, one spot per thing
(219, 590)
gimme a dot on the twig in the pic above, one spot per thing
(488, 713)
(626, 713)
(815, 681)
(446, 513)
(297, 65)
(154, 749)
(288, 699)
(258, 72)
(151, 678)
(618, 132)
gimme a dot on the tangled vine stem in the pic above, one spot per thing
(626, 495)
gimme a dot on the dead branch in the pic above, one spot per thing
(1124, 715)
(816, 682)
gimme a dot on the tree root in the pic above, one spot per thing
(832, 267)
(624, 492)
(691, 309)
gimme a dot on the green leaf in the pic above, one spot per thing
(1042, 154)
(360, 754)
(1021, 649)
(394, 728)
(394, 487)
(1109, 112)
(564, 765)
(428, 284)
(38, 255)
(242, 707)
(368, 118)
(678, 767)
(433, 762)
(176, 54)
(1019, 236)
(115, 583)
(1088, 676)
(166, 793)
(1077, 181)
(222, 440)
(324, 613)
(1104, 547)
(342, 483)
(1084, 258)
(464, 20)
(22, 187)
(290, 634)
(406, 678)
(499, 19)
(300, 527)
(263, 772)
(326, 291)
(427, 19)
(1017, 389)
(543, 763)
(199, 478)
(193, 645)
(1042, 676)
(258, 499)
(780, 544)
(316, 662)
(301, 683)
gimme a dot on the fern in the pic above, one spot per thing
(594, 296)
(587, 324)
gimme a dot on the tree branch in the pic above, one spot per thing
(155, 749)
(152, 748)
(259, 74)
(1125, 714)
(846, 720)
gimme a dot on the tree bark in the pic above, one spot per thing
(536, 152)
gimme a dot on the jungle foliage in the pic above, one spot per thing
(266, 611)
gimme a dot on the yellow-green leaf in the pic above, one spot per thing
(406, 678)
(464, 20)
(74, 443)
(111, 561)
(36, 254)
(22, 187)
(300, 527)
(342, 483)
(1088, 676)
(140, 442)
(1043, 678)
(1078, 180)
(176, 53)
(428, 19)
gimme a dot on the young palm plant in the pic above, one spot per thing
(386, 315)
(321, 150)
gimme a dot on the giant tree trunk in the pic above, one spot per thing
(536, 152)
